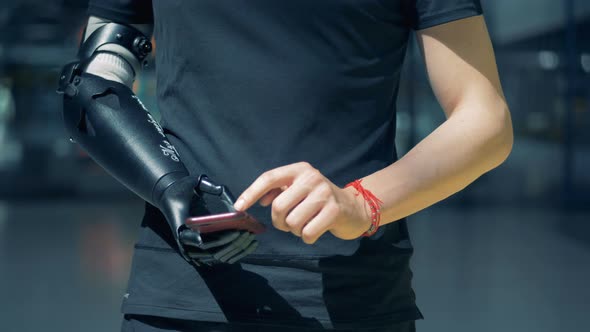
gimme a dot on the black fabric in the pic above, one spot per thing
(246, 86)
(143, 323)
(427, 13)
(122, 11)
(362, 290)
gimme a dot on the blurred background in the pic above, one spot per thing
(509, 253)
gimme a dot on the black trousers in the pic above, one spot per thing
(140, 323)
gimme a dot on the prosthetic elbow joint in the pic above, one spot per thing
(121, 35)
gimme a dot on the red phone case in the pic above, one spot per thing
(238, 220)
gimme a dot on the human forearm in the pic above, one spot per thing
(477, 135)
(463, 148)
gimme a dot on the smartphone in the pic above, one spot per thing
(237, 220)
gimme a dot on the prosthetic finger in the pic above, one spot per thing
(233, 247)
(199, 254)
(244, 246)
(223, 239)
(201, 257)
(243, 243)
(251, 248)
(190, 238)
(237, 248)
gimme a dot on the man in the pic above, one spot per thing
(286, 102)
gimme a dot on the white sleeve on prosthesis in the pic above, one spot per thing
(111, 61)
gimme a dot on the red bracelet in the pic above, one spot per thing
(373, 202)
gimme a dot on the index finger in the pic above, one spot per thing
(269, 180)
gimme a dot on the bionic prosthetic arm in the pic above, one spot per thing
(107, 120)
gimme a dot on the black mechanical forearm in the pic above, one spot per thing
(109, 122)
(113, 126)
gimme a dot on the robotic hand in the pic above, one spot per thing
(102, 114)
(185, 198)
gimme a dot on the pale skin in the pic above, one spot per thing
(475, 138)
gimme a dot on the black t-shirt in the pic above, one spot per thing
(247, 86)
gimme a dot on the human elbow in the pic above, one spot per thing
(502, 139)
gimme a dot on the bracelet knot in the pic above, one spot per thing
(373, 202)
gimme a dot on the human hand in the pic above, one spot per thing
(307, 204)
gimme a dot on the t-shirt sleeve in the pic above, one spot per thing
(428, 13)
(122, 11)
